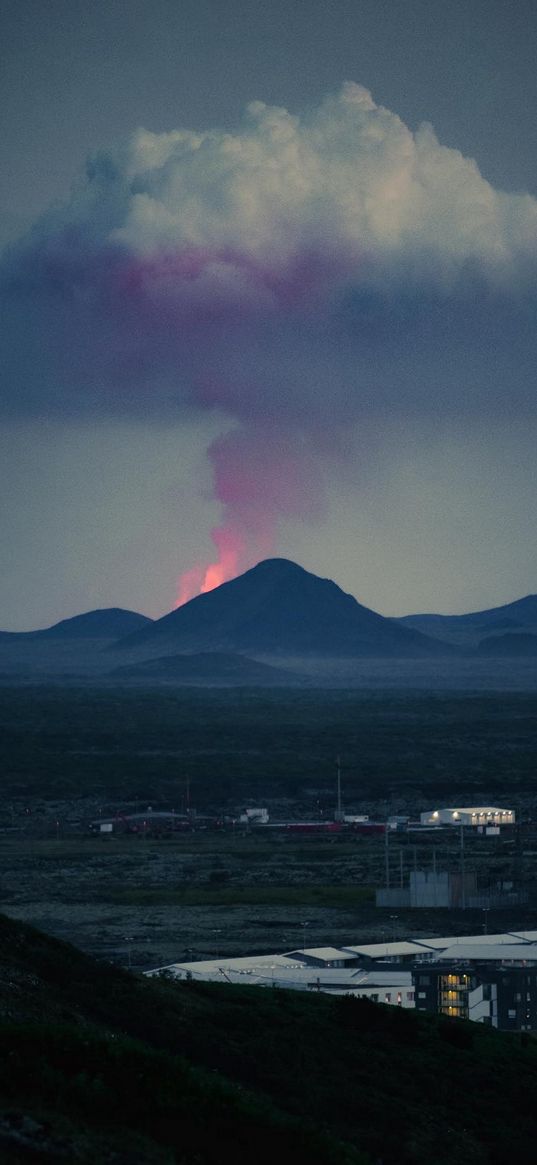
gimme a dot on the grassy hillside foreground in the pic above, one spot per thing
(99, 1066)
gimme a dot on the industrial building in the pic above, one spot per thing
(305, 971)
(480, 815)
(490, 979)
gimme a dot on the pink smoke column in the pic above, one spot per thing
(232, 558)
(260, 475)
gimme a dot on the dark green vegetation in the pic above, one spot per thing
(99, 1066)
(61, 742)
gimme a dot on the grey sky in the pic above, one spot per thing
(110, 513)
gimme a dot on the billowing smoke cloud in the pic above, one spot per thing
(297, 278)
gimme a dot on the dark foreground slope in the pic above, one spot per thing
(278, 608)
(99, 1066)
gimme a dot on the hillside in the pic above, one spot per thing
(521, 615)
(209, 669)
(279, 609)
(106, 623)
(102, 1066)
(71, 647)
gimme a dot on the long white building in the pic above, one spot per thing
(469, 815)
(373, 971)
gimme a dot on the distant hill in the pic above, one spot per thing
(209, 669)
(279, 609)
(519, 616)
(97, 1065)
(107, 623)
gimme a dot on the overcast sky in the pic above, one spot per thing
(288, 310)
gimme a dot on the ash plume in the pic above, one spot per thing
(299, 278)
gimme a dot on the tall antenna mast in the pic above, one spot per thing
(339, 810)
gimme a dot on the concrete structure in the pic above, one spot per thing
(469, 815)
(431, 888)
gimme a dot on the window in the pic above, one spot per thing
(422, 995)
(424, 980)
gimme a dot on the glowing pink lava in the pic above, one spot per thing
(199, 580)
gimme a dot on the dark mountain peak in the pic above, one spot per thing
(276, 567)
(279, 608)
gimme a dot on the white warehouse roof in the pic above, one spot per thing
(504, 952)
(326, 954)
(292, 970)
(391, 950)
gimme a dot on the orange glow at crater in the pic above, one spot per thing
(199, 580)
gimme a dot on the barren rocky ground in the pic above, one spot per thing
(70, 756)
(144, 902)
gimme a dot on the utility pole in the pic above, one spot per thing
(463, 876)
(339, 810)
(387, 855)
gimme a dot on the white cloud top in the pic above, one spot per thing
(349, 173)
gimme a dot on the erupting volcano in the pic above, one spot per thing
(232, 552)
(262, 474)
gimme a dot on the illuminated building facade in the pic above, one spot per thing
(501, 996)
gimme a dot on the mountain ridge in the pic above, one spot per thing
(278, 608)
(99, 623)
(468, 629)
